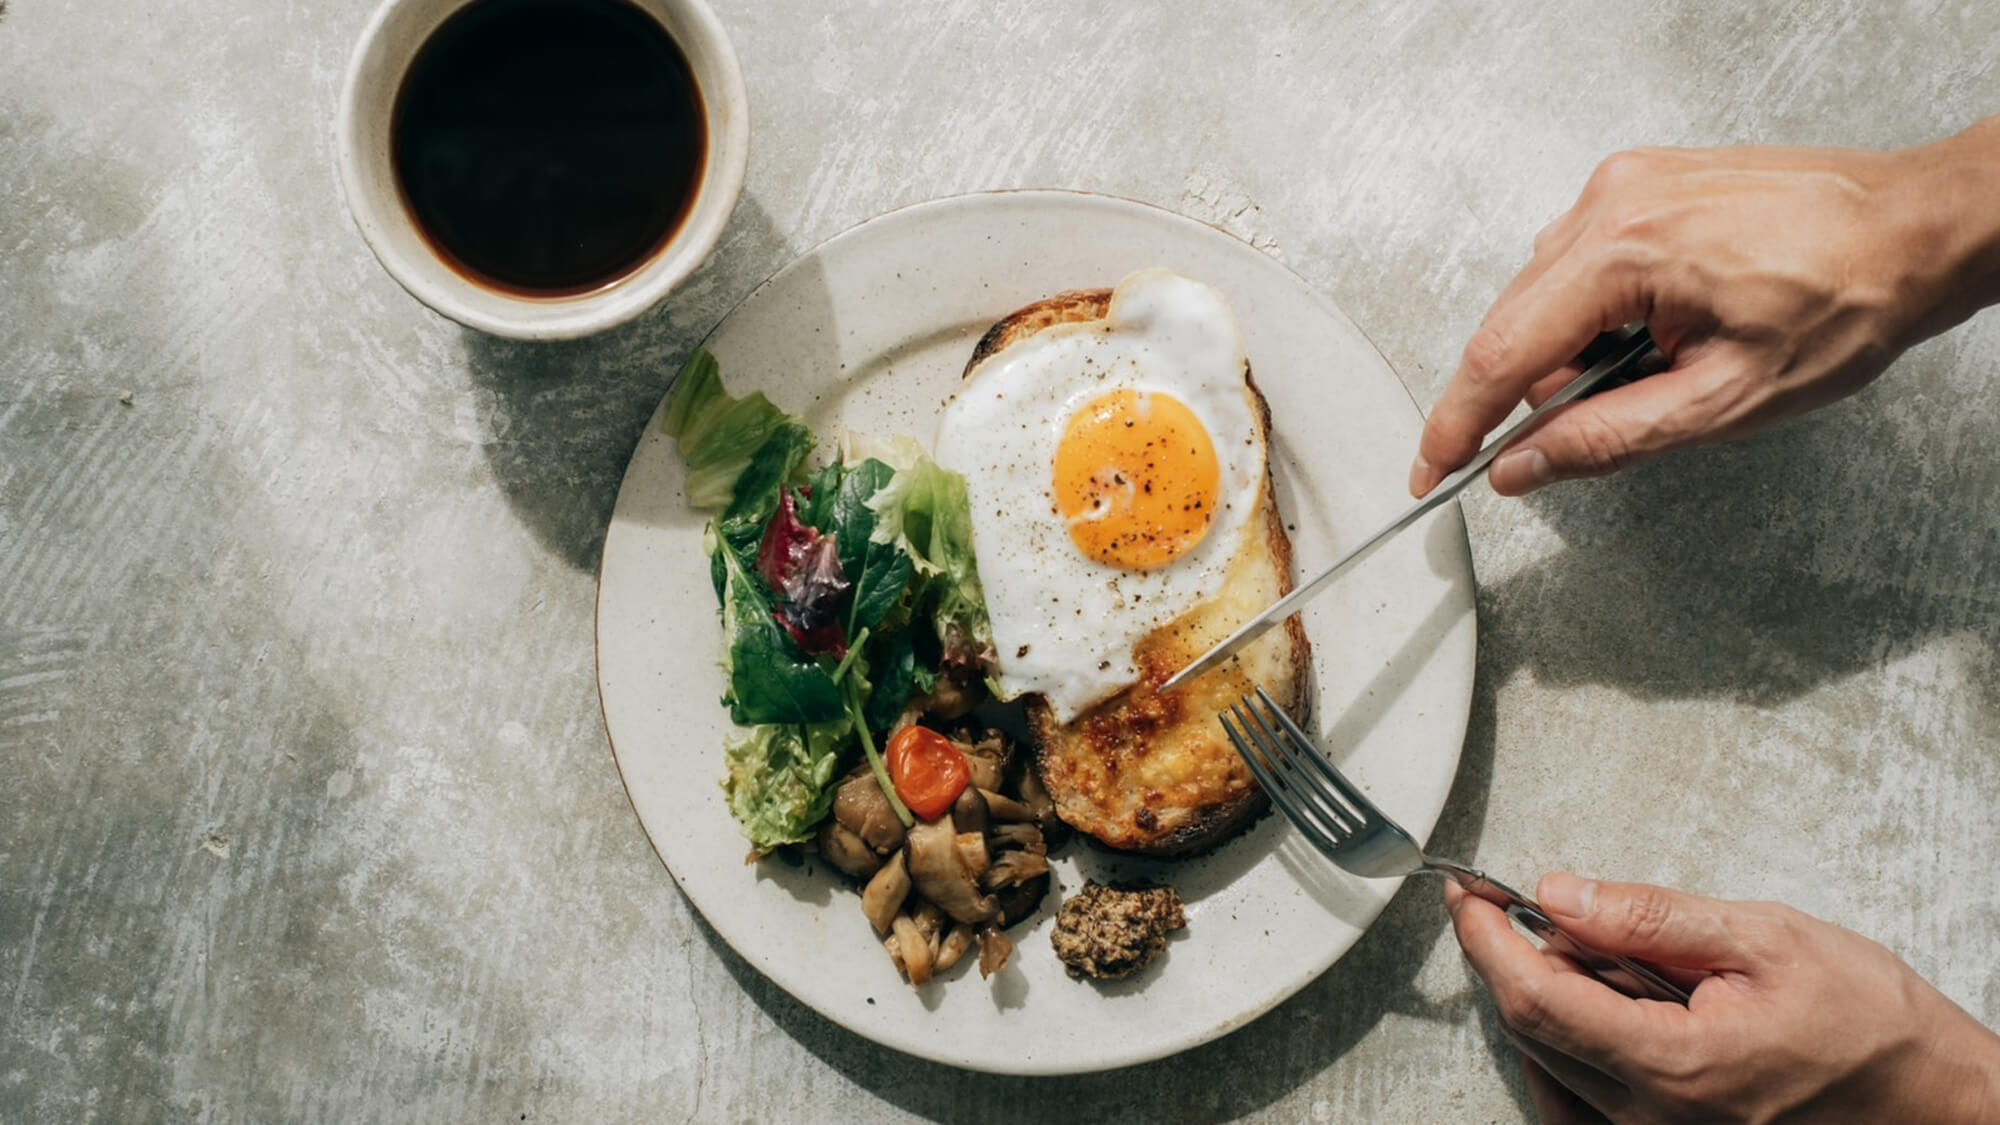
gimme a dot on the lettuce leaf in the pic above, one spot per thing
(923, 509)
(781, 779)
(779, 462)
(880, 569)
(720, 436)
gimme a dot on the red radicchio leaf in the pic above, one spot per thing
(802, 568)
(785, 543)
(825, 640)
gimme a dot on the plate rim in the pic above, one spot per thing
(1460, 714)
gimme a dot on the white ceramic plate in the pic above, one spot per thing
(870, 332)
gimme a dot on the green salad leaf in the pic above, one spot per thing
(777, 463)
(895, 672)
(924, 509)
(849, 515)
(770, 680)
(718, 436)
(781, 779)
(822, 491)
(880, 570)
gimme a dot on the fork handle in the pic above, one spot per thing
(1628, 975)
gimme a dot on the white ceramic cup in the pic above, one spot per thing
(362, 137)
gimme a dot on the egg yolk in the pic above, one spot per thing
(1136, 478)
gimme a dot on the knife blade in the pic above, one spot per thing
(1614, 353)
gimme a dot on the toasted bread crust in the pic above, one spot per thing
(1070, 306)
(1123, 728)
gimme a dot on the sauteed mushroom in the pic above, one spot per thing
(940, 874)
(957, 941)
(883, 897)
(1027, 837)
(987, 755)
(949, 699)
(1036, 796)
(1014, 868)
(969, 811)
(847, 851)
(972, 852)
(910, 951)
(1020, 901)
(995, 947)
(861, 808)
(1001, 807)
(939, 889)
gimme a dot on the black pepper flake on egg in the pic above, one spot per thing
(1021, 652)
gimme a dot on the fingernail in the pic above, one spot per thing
(1521, 470)
(1563, 893)
(1453, 895)
(1422, 476)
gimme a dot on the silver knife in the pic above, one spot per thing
(1616, 352)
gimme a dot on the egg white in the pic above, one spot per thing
(1065, 625)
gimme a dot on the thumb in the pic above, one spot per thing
(1619, 428)
(1645, 921)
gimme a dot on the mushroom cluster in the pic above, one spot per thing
(939, 888)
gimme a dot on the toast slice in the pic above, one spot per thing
(1150, 773)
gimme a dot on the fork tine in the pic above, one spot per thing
(1304, 790)
(1255, 755)
(1303, 743)
(1324, 835)
(1288, 749)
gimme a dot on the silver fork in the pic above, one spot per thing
(1344, 824)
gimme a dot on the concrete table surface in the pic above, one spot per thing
(306, 811)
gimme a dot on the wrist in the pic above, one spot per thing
(1953, 198)
(1961, 1073)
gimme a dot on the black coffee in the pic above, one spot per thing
(549, 147)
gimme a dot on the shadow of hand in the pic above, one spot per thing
(1762, 570)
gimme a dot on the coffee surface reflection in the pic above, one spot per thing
(548, 148)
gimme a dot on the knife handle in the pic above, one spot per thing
(1604, 347)
(1635, 978)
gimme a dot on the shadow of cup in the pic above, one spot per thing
(562, 417)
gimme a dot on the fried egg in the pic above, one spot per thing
(1114, 468)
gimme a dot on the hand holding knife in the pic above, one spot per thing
(1615, 354)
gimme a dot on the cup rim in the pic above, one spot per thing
(719, 77)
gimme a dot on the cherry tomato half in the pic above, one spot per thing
(928, 771)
